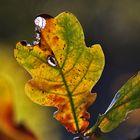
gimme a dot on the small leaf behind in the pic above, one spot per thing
(126, 100)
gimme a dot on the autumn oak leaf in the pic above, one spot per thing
(63, 69)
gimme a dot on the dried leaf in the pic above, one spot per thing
(63, 69)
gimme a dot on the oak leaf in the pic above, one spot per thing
(126, 100)
(63, 69)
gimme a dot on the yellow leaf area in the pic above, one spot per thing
(63, 70)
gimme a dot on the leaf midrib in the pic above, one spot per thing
(71, 101)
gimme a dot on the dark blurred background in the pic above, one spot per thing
(113, 24)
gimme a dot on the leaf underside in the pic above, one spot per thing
(67, 84)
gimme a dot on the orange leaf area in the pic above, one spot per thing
(64, 114)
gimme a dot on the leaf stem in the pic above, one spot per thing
(93, 129)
